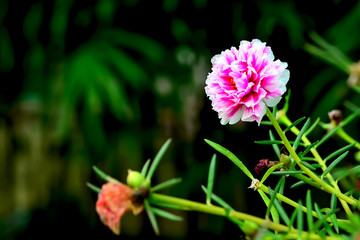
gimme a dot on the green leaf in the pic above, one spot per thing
(217, 199)
(329, 53)
(116, 96)
(157, 159)
(275, 146)
(287, 100)
(94, 188)
(280, 209)
(273, 197)
(333, 203)
(312, 127)
(282, 187)
(167, 205)
(351, 106)
(342, 173)
(132, 72)
(339, 151)
(275, 110)
(294, 124)
(292, 219)
(300, 220)
(269, 171)
(309, 215)
(6, 51)
(308, 165)
(211, 178)
(180, 30)
(146, 46)
(301, 133)
(165, 184)
(60, 19)
(104, 175)
(231, 156)
(273, 211)
(266, 123)
(309, 147)
(287, 172)
(152, 217)
(297, 184)
(268, 142)
(334, 163)
(145, 168)
(322, 219)
(105, 11)
(32, 22)
(308, 159)
(166, 214)
(320, 215)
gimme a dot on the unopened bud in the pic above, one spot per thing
(335, 117)
(286, 160)
(134, 179)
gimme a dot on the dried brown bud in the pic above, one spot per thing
(264, 165)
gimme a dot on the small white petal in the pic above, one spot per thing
(271, 102)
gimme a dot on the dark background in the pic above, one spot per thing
(106, 82)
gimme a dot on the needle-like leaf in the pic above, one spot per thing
(334, 163)
(231, 156)
(309, 215)
(152, 217)
(157, 159)
(211, 178)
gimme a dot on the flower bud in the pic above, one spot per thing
(134, 179)
(335, 117)
(286, 160)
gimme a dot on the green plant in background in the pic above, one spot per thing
(339, 53)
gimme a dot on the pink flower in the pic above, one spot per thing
(243, 81)
(114, 200)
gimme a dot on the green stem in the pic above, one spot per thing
(296, 158)
(160, 199)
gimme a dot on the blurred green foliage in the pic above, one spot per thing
(105, 82)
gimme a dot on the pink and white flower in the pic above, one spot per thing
(243, 80)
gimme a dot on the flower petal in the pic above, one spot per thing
(114, 200)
